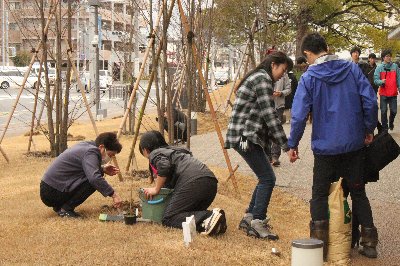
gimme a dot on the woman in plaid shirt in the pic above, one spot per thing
(253, 123)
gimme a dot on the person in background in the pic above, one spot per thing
(344, 118)
(253, 124)
(195, 186)
(369, 71)
(387, 77)
(78, 172)
(282, 89)
(180, 124)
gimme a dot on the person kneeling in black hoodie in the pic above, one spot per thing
(195, 186)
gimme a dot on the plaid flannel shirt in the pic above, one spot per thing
(254, 115)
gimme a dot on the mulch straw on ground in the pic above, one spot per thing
(31, 233)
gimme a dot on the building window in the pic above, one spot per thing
(14, 5)
(13, 26)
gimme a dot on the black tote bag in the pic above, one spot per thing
(381, 152)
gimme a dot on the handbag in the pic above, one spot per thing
(381, 152)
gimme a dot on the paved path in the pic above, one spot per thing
(296, 178)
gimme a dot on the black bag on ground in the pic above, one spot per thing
(381, 152)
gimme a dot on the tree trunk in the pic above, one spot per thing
(64, 126)
(302, 29)
(49, 105)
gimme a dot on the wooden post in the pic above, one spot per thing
(135, 87)
(141, 112)
(38, 47)
(213, 115)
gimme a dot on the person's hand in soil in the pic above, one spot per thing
(117, 200)
(110, 170)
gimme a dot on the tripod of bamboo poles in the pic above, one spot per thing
(152, 76)
(205, 89)
(136, 85)
(34, 56)
(228, 99)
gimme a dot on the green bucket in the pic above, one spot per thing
(154, 209)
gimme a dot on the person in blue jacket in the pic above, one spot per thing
(344, 118)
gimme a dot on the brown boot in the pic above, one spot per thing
(319, 230)
(369, 241)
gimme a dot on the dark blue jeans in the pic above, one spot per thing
(257, 160)
(384, 102)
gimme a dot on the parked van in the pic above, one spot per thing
(13, 77)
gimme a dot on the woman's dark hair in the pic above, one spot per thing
(151, 140)
(315, 43)
(110, 141)
(274, 57)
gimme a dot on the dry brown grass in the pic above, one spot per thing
(31, 233)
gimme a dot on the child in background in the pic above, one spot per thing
(195, 186)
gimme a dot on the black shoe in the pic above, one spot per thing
(276, 162)
(69, 214)
(391, 127)
(56, 209)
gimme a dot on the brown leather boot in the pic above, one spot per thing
(319, 230)
(369, 241)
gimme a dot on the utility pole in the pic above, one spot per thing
(94, 51)
(78, 53)
(3, 31)
(7, 24)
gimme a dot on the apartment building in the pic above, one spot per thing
(116, 21)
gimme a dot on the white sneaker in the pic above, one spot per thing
(215, 224)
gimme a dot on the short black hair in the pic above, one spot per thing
(372, 55)
(385, 52)
(152, 140)
(110, 141)
(355, 49)
(315, 43)
(290, 64)
(301, 60)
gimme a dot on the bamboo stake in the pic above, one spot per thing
(4, 154)
(213, 115)
(228, 99)
(141, 112)
(82, 89)
(35, 104)
(38, 47)
(136, 86)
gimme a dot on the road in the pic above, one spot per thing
(21, 120)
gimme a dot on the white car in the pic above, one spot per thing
(105, 80)
(221, 78)
(14, 76)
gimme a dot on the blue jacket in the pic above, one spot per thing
(343, 104)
